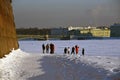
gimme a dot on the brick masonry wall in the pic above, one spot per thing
(8, 39)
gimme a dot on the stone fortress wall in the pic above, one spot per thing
(8, 39)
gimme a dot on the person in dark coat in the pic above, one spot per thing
(83, 51)
(52, 48)
(65, 50)
(73, 50)
(43, 48)
(47, 48)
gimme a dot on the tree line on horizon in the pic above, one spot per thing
(32, 31)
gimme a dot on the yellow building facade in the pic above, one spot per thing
(96, 32)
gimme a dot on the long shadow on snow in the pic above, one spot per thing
(61, 68)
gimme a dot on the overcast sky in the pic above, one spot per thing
(63, 13)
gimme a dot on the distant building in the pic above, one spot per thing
(74, 28)
(90, 31)
(100, 32)
(96, 32)
(115, 30)
(79, 28)
(59, 31)
(80, 32)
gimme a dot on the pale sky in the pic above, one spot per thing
(63, 13)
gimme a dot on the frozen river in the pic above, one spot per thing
(92, 47)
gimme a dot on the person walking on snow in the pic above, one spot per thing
(68, 50)
(47, 48)
(52, 48)
(76, 49)
(83, 51)
(65, 50)
(73, 50)
(43, 48)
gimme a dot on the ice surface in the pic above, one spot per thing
(92, 47)
(34, 65)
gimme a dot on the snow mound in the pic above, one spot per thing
(19, 65)
(10, 64)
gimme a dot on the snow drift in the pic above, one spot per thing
(19, 65)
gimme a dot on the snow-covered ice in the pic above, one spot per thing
(19, 65)
(92, 47)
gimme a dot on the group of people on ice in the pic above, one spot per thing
(74, 50)
(51, 48)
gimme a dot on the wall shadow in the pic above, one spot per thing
(62, 68)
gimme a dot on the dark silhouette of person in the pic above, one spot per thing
(43, 48)
(83, 51)
(47, 48)
(65, 50)
(73, 50)
(52, 48)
